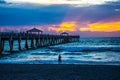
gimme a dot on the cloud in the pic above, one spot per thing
(92, 14)
(64, 26)
(2, 2)
(30, 14)
(19, 28)
(104, 27)
(108, 25)
(41, 15)
(49, 2)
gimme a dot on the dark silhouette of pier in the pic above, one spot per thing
(36, 40)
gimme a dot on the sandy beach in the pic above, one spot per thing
(58, 72)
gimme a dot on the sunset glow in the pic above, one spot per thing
(66, 26)
(102, 27)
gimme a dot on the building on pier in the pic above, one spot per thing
(64, 33)
(34, 30)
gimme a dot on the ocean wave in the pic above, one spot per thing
(87, 49)
(71, 53)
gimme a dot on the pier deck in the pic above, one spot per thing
(36, 40)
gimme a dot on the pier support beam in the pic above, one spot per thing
(3, 42)
(32, 43)
(19, 44)
(37, 43)
(26, 43)
(0, 45)
(11, 42)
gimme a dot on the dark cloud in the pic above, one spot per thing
(113, 3)
(93, 13)
(42, 15)
(2, 2)
(100, 12)
(54, 14)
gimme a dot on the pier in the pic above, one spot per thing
(38, 40)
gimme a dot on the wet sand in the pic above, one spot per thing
(58, 72)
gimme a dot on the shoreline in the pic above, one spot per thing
(76, 62)
(59, 72)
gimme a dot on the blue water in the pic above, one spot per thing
(87, 51)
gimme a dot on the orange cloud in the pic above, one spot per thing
(103, 27)
(66, 26)
(52, 28)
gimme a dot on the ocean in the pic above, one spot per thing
(99, 51)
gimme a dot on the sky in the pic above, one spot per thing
(87, 18)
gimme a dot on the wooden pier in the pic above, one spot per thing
(36, 40)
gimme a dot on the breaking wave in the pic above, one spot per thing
(87, 49)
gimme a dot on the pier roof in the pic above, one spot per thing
(34, 30)
(64, 33)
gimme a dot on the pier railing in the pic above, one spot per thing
(36, 40)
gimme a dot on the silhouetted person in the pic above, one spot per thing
(59, 58)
